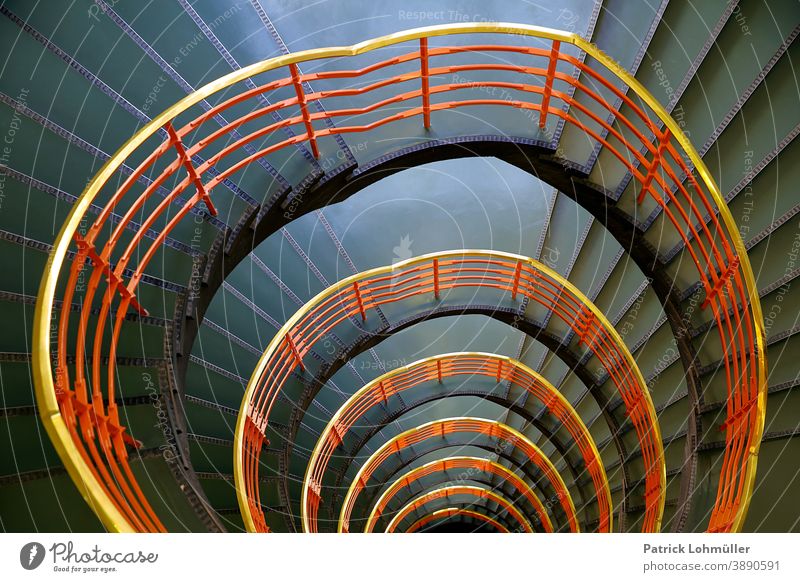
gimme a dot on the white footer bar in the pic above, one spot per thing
(408, 558)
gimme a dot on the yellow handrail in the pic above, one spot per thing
(465, 489)
(568, 287)
(411, 476)
(517, 436)
(450, 511)
(42, 367)
(511, 364)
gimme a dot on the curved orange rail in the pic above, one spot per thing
(453, 511)
(472, 465)
(436, 369)
(72, 396)
(505, 435)
(446, 492)
(433, 277)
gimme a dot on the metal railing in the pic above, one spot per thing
(468, 466)
(455, 511)
(506, 437)
(74, 362)
(446, 492)
(437, 369)
(433, 277)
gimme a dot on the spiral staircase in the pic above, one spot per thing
(458, 278)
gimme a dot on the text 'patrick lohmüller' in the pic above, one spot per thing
(695, 549)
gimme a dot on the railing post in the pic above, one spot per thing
(436, 278)
(114, 282)
(360, 301)
(663, 141)
(744, 410)
(176, 142)
(301, 100)
(550, 403)
(316, 489)
(517, 273)
(548, 84)
(636, 400)
(586, 331)
(383, 391)
(721, 282)
(295, 352)
(337, 433)
(426, 83)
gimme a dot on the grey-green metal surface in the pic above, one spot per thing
(78, 83)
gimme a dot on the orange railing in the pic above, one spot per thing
(437, 369)
(180, 159)
(469, 467)
(456, 511)
(466, 490)
(505, 436)
(432, 277)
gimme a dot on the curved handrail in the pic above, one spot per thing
(439, 428)
(450, 512)
(472, 490)
(437, 368)
(471, 464)
(433, 276)
(73, 411)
